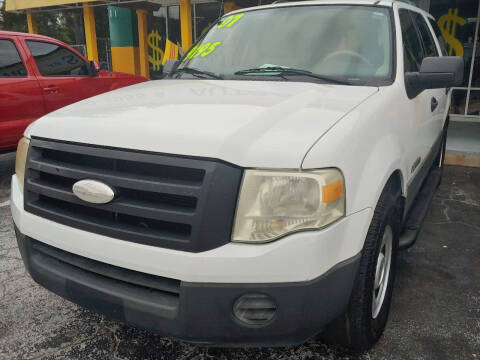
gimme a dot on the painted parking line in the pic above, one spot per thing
(5, 203)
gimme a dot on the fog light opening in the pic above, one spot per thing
(255, 309)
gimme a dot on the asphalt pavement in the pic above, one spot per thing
(435, 312)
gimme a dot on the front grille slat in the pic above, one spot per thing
(161, 200)
(106, 227)
(122, 154)
(113, 179)
(166, 213)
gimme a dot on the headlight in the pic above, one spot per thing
(274, 203)
(21, 159)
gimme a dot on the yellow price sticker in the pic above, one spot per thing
(229, 21)
(202, 50)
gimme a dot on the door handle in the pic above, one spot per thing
(434, 104)
(51, 89)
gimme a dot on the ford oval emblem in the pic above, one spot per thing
(93, 191)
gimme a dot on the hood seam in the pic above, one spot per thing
(333, 125)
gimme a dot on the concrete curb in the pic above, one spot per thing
(462, 159)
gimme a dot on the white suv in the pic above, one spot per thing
(260, 193)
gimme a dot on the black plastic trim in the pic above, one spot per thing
(419, 209)
(105, 270)
(202, 312)
(422, 174)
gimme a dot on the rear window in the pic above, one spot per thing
(11, 64)
(412, 47)
(438, 34)
(427, 38)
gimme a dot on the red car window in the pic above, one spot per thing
(56, 60)
(11, 64)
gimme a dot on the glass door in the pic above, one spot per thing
(458, 21)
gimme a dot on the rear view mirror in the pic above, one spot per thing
(435, 73)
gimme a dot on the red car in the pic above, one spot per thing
(39, 74)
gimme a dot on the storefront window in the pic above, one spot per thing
(459, 100)
(102, 29)
(174, 24)
(157, 34)
(457, 20)
(205, 15)
(474, 103)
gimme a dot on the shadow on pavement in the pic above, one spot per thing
(7, 169)
(435, 312)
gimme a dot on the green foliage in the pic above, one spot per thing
(12, 21)
(66, 26)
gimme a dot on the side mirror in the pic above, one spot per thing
(435, 73)
(170, 66)
(94, 68)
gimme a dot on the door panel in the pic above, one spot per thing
(417, 132)
(63, 75)
(434, 115)
(21, 99)
(427, 120)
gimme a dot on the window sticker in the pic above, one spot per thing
(202, 50)
(229, 21)
(210, 49)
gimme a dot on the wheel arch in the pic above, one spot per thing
(398, 182)
(385, 163)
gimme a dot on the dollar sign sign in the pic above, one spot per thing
(448, 26)
(157, 54)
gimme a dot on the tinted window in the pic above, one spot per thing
(11, 64)
(55, 60)
(428, 43)
(438, 34)
(412, 48)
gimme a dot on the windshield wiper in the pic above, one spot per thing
(198, 73)
(285, 71)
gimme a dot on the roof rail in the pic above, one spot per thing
(409, 2)
(285, 1)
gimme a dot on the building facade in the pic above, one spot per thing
(143, 34)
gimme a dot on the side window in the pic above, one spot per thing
(429, 46)
(438, 34)
(55, 60)
(412, 48)
(11, 64)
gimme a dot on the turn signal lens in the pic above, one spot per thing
(275, 203)
(21, 160)
(332, 192)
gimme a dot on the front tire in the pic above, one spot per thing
(365, 320)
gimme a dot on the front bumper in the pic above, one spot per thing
(195, 312)
(299, 257)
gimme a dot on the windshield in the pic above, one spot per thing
(339, 42)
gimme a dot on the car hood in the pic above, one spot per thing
(248, 123)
